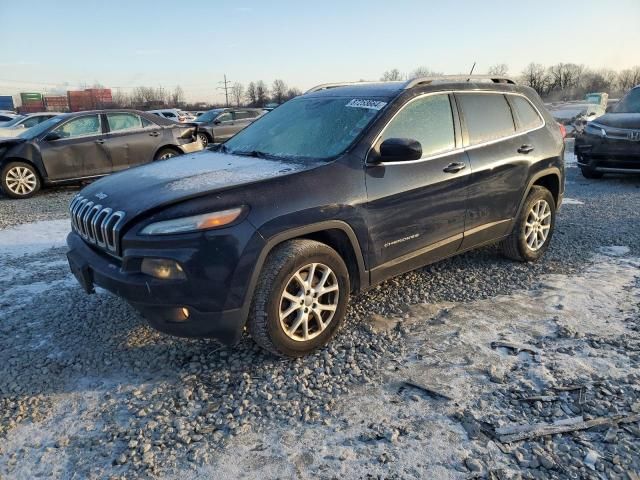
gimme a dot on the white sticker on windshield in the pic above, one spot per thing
(364, 103)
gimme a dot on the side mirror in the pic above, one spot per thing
(217, 122)
(51, 136)
(400, 150)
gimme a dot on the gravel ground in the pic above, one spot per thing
(87, 390)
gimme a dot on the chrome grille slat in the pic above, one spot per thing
(96, 224)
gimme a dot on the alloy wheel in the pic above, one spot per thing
(538, 225)
(21, 180)
(308, 302)
(203, 139)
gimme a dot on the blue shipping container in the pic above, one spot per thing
(6, 102)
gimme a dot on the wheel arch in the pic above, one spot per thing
(167, 146)
(36, 167)
(551, 179)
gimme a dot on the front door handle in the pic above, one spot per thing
(526, 148)
(454, 167)
(100, 141)
(154, 134)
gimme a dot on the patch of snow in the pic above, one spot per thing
(31, 238)
(614, 250)
(571, 201)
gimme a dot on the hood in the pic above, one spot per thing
(10, 141)
(180, 178)
(620, 120)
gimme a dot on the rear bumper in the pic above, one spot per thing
(214, 311)
(607, 155)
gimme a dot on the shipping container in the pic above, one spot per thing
(30, 108)
(30, 96)
(6, 102)
(56, 103)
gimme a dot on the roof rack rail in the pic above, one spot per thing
(457, 78)
(327, 86)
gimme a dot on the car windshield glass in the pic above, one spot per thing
(630, 103)
(318, 128)
(33, 132)
(209, 116)
(13, 122)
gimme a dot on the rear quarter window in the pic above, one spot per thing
(486, 115)
(527, 115)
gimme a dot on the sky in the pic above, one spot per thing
(122, 44)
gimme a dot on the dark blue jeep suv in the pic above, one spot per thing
(329, 194)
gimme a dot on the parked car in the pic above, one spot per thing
(576, 115)
(84, 145)
(7, 117)
(19, 124)
(611, 143)
(331, 193)
(221, 124)
(174, 114)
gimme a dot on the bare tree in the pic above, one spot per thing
(565, 76)
(629, 78)
(535, 76)
(252, 98)
(424, 72)
(599, 81)
(237, 93)
(499, 69)
(293, 92)
(177, 98)
(391, 75)
(262, 93)
(279, 91)
(121, 99)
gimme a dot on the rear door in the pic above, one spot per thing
(132, 139)
(79, 152)
(416, 209)
(499, 157)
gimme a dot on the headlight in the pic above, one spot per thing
(596, 130)
(193, 224)
(162, 268)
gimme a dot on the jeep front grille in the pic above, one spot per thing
(96, 224)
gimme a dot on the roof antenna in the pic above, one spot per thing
(471, 72)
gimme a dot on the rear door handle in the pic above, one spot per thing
(100, 141)
(526, 149)
(454, 167)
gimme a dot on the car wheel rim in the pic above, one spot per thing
(21, 180)
(538, 225)
(204, 140)
(308, 302)
(164, 156)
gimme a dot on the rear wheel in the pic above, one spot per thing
(166, 153)
(301, 298)
(590, 174)
(19, 180)
(534, 227)
(204, 139)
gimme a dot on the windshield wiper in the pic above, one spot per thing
(251, 153)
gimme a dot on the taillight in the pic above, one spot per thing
(563, 130)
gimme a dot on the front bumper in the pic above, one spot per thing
(212, 294)
(607, 155)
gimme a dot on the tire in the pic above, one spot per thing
(525, 243)
(204, 139)
(166, 153)
(19, 180)
(278, 278)
(591, 174)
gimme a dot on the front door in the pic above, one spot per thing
(78, 152)
(132, 140)
(224, 127)
(416, 209)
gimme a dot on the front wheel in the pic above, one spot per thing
(166, 153)
(204, 139)
(19, 180)
(301, 298)
(533, 230)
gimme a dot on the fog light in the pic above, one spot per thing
(185, 312)
(162, 268)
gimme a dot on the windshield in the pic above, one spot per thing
(630, 103)
(592, 99)
(318, 128)
(33, 132)
(209, 116)
(13, 122)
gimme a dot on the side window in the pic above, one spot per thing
(79, 127)
(225, 117)
(528, 116)
(429, 121)
(244, 114)
(123, 121)
(169, 114)
(32, 121)
(147, 123)
(487, 116)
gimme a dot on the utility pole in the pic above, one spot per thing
(225, 87)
